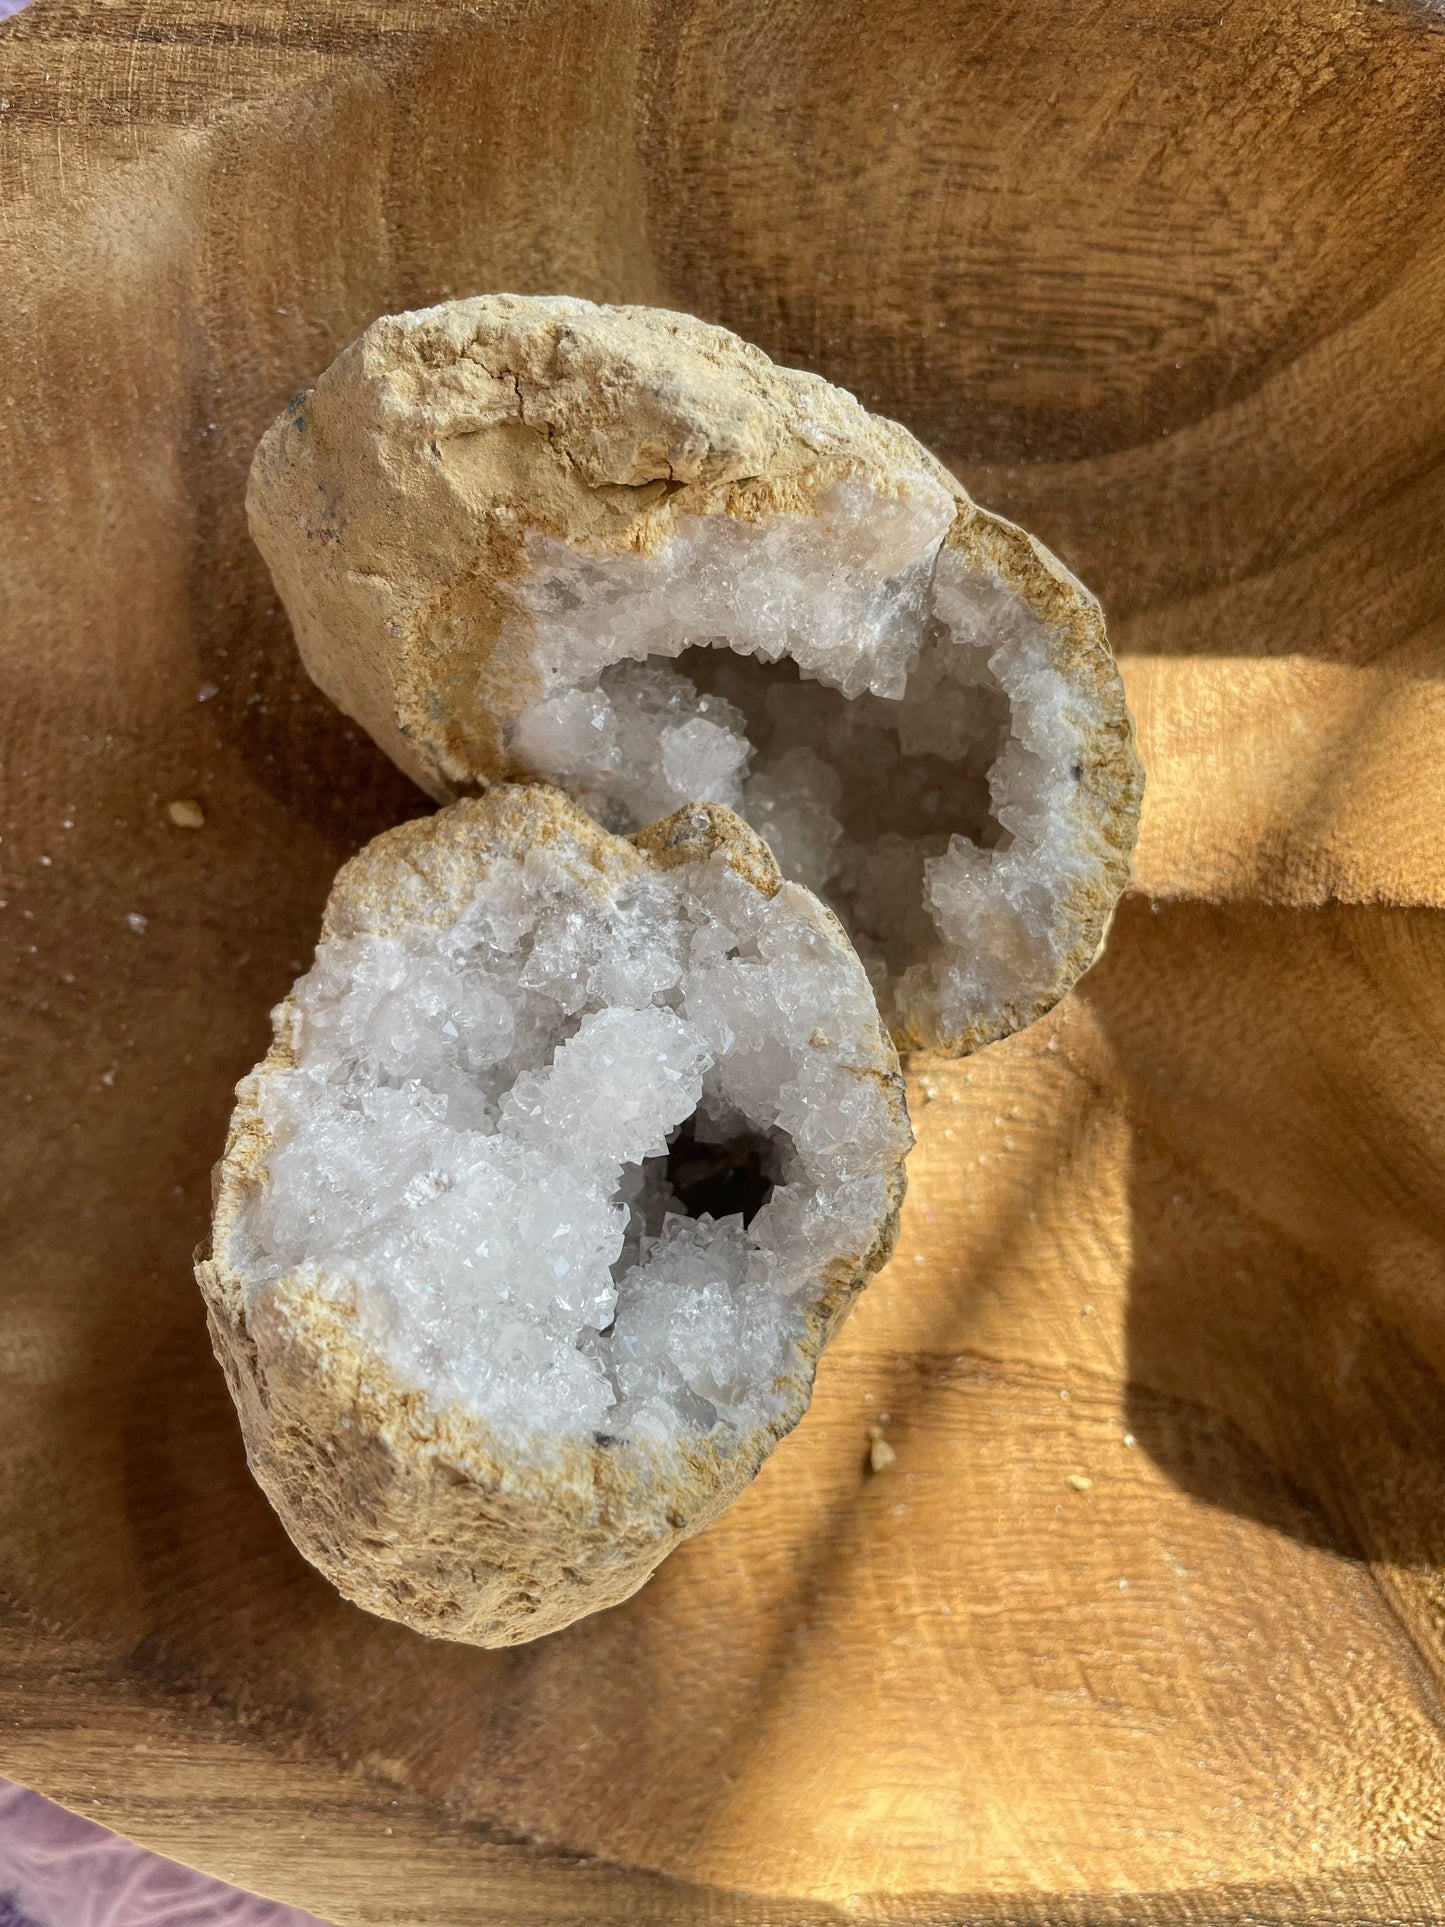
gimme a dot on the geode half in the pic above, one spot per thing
(569, 1156)
(620, 549)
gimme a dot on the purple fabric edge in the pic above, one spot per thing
(60, 1870)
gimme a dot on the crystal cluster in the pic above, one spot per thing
(950, 705)
(475, 1133)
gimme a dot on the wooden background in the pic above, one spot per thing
(1147, 1620)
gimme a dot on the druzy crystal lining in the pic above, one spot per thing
(884, 713)
(474, 1139)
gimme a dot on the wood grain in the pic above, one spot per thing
(1144, 1623)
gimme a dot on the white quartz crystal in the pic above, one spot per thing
(474, 1136)
(636, 745)
(753, 586)
(921, 695)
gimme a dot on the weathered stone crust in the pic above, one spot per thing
(393, 499)
(419, 1512)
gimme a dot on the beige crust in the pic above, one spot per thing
(420, 1513)
(393, 499)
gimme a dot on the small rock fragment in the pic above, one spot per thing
(880, 1453)
(186, 814)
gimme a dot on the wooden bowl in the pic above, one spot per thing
(1144, 1623)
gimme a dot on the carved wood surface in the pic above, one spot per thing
(1144, 1623)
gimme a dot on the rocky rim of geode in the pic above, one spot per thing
(418, 1510)
(394, 500)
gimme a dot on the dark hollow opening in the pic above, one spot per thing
(916, 794)
(720, 1179)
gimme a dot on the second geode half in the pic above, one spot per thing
(570, 1155)
(622, 550)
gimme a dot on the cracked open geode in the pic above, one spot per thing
(569, 1157)
(619, 549)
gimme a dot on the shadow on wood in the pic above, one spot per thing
(1286, 1318)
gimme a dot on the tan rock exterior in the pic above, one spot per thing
(417, 1512)
(393, 499)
